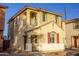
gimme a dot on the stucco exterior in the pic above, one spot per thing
(70, 32)
(36, 34)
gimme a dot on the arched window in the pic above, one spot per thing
(51, 37)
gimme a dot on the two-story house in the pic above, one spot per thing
(2, 22)
(72, 33)
(35, 29)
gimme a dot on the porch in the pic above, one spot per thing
(53, 47)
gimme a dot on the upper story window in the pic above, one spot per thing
(44, 16)
(58, 20)
(76, 25)
(33, 19)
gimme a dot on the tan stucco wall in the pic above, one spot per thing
(70, 31)
(51, 26)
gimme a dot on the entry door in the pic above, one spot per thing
(74, 42)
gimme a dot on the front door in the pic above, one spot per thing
(74, 42)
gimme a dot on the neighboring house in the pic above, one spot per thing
(33, 29)
(72, 33)
(6, 43)
(2, 21)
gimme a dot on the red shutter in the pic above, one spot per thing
(57, 38)
(48, 37)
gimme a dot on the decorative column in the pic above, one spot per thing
(28, 44)
(28, 17)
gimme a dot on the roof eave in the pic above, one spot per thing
(25, 7)
(5, 7)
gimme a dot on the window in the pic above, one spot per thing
(33, 20)
(58, 21)
(36, 39)
(44, 16)
(51, 37)
(76, 25)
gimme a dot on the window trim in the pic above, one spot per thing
(52, 37)
(56, 37)
(49, 37)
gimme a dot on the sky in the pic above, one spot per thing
(72, 10)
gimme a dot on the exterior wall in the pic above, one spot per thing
(16, 33)
(70, 31)
(2, 17)
(41, 30)
(11, 33)
(43, 42)
(49, 27)
(2, 21)
(1, 40)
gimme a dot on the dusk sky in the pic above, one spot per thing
(71, 9)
